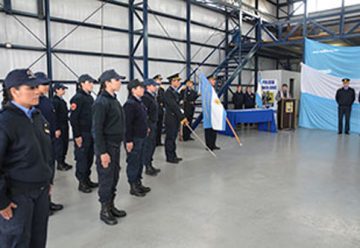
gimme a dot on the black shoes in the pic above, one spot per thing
(116, 212)
(347, 133)
(64, 167)
(134, 190)
(91, 184)
(151, 171)
(142, 188)
(178, 159)
(106, 214)
(172, 161)
(84, 187)
(216, 148)
(55, 207)
(159, 144)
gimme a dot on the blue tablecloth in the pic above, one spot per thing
(264, 117)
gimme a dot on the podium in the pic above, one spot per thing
(286, 114)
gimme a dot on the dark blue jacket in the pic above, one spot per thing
(61, 112)
(25, 152)
(48, 111)
(81, 113)
(108, 122)
(135, 116)
(152, 108)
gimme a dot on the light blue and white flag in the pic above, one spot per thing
(214, 114)
(259, 93)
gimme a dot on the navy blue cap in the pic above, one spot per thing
(176, 76)
(211, 77)
(150, 81)
(86, 77)
(346, 80)
(110, 74)
(20, 77)
(42, 78)
(59, 86)
(134, 84)
(157, 76)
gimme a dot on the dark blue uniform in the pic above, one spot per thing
(160, 97)
(173, 117)
(151, 105)
(80, 120)
(345, 99)
(188, 97)
(25, 152)
(238, 100)
(136, 131)
(48, 111)
(61, 143)
(108, 132)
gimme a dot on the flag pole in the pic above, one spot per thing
(233, 131)
(201, 141)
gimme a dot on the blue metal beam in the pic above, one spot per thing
(48, 39)
(145, 40)
(131, 40)
(188, 39)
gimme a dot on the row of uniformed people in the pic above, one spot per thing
(26, 149)
(241, 99)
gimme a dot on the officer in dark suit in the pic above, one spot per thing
(238, 98)
(345, 97)
(174, 116)
(210, 134)
(161, 106)
(135, 134)
(48, 111)
(80, 120)
(188, 95)
(108, 131)
(249, 98)
(25, 174)
(149, 100)
(62, 121)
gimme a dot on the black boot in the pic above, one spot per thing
(62, 166)
(68, 166)
(134, 190)
(55, 207)
(155, 169)
(142, 188)
(84, 187)
(106, 215)
(150, 171)
(91, 184)
(116, 212)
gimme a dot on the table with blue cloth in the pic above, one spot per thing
(265, 118)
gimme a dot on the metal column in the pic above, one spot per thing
(188, 38)
(48, 39)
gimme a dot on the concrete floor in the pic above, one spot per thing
(285, 190)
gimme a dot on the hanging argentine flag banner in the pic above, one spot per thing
(214, 114)
(259, 93)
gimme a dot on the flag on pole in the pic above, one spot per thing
(259, 93)
(214, 114)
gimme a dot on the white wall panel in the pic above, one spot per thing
(20, 59)
(12, 31)
(25, 5)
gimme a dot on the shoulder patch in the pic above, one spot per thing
(73, 106)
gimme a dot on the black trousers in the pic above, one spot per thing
(61, 145)
(28, 226)
(84, 157)
(172, 129)
(189, 114)
(344, 111)
(135, 161)
(150, 145)
(109, 177)
(159, 127)
(210, 137)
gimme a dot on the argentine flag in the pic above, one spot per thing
(258, 96)
(214, 114)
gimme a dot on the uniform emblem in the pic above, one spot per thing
(217, 101)
(46, 128)
(30, 74)
(73, 106)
